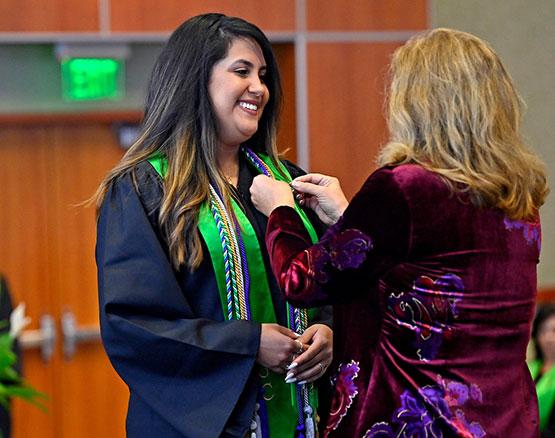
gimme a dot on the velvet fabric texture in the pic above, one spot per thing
(433, 301)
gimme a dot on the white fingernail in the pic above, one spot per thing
(302, 382)
(292, 365)
(291, 380)
(289, 375)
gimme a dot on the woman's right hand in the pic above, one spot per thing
(323, 194)
(278, 347)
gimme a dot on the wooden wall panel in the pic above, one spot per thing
(49, 16)
(166, 15)
(24, 256)
(287, 135)
(346, 93)
(81, 155)
(366, 15)
(546, 295)
(47, 255)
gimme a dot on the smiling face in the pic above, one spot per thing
(238, 92)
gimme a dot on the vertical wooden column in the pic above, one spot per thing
(349, 45)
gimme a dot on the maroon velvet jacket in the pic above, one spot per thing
(433, 299)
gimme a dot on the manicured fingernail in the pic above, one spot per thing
(297, 334)
(302, 382)
(292, 365)
(291, 380)
(289, 375)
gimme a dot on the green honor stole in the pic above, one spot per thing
(545, 388)
(284, 410)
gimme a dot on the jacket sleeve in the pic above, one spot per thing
(177, 363)
(371, 237)
(321, 314)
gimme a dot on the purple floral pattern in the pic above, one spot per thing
(435, 411)
(530, 230)
(428, 310)
(345, 392)
(340, 249)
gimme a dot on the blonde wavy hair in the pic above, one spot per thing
(453, 108)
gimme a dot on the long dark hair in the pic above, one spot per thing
(179, 123)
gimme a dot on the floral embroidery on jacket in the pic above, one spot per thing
(436, 411)
(345, 392)
(340, 249)
(530, 230)
(428, 311)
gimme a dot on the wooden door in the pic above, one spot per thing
(47, 255)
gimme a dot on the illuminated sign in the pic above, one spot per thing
(92, 79)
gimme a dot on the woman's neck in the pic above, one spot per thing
(228, 163)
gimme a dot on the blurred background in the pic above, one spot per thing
(72, 81)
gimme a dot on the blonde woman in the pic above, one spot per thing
(432, 266)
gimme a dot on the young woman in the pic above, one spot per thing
(190, 314)
(432, 266)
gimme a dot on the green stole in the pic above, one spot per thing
(545, 388)
(280, 397)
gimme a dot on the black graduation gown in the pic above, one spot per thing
(189, 372)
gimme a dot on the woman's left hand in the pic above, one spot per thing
(268, 194)
(313, 363)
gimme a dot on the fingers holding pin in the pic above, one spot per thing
(299, 197)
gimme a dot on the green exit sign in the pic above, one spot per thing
(92, 79)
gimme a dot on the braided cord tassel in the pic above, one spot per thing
(303, 316)
(228, 262)
(236, 268)
(298, 321)
(230, 245)
(310, 430)
(227, 248)
(246, 276)
(257, 162)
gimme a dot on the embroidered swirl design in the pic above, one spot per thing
(428, 311)
(345, 392)
(339, 249)
(432, 412)
(531, 231)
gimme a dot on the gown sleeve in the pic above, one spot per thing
(371, 237)
(190, 372)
